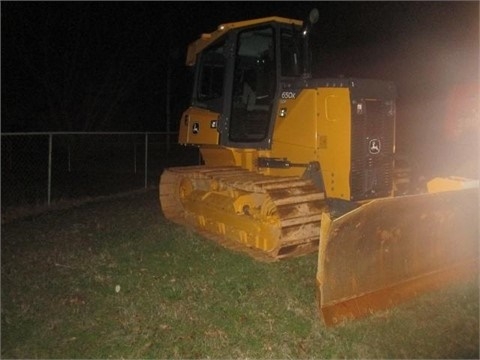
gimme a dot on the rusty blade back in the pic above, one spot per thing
(393, 249)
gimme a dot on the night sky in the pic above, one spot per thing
(102, 66)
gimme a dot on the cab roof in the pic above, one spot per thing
(206, 39)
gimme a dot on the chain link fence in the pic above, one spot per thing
(39, 169)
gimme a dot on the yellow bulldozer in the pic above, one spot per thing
(293, 164)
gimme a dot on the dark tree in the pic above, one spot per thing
(77, 67)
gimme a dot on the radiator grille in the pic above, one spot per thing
(373, 122)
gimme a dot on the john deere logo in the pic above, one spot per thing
(374, 146)
(195, 128)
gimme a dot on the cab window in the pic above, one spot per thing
(211, 76)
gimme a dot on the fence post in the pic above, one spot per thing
(146, 158)
(49, 188)
(69, 158)
(134, 156)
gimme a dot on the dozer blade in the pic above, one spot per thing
(390, 250)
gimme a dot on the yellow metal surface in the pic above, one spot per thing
(317, 126)
(198, 126)
(335, 132)
(224, 156)
(207, 39)
(392, 249)
(275, 217)
(294, 135)
(218, 156)
(450, 183)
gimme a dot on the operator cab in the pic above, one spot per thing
(239, 77)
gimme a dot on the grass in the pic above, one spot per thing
(114, 279)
